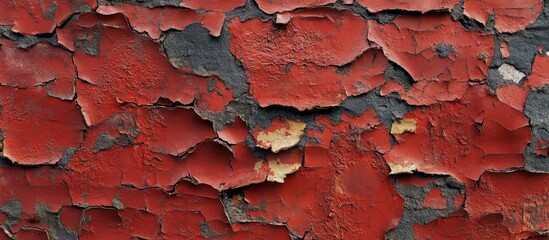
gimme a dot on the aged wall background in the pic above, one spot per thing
(274, 119)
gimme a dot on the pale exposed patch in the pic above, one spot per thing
(398, 169)
(283, 138)
(278, 170)
(510, 73)
(406, 125)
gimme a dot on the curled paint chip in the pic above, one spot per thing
(462, 138)
(510, 16)
(273, 6)
(282, 72)
(25, 115)
(409, 5)
(35, 17)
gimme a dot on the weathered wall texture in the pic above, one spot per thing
(274, 119)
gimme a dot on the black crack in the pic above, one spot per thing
(537, 110)
(444, 50)
(414, 210)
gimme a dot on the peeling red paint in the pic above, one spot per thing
(283, 73)
(213, 5)
(270, 6)
(441, 62)
(34, 17)
(435, 200)
(539, 75)
(315, 119)
(235, 133)
(153, 21)
(409, 5)
(128, 63)
(461, 227)
(510, 16)
(40, 65)
(483, 134)
(520, 209)
(26, 140)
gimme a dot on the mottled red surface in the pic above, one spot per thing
(510, 16)
(269, 119)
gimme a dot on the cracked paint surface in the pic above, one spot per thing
(269, 119)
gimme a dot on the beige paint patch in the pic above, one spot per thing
(283, 138)
(398, 169)
(278, 170)
(406, 125)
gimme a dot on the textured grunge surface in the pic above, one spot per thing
(274, 119)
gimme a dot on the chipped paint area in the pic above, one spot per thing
(282, 135)
(274, 119)
(405, 125)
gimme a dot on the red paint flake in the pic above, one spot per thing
(41, 64)
(213, 5)
(435, 199)
(504, 49)
(34, 17)
(539, 75)
(461, 227)
(510, 16)
(415, 180)
(408, 5)
(542, 147)
(110, 223)
(153, 21)
(132, 69)
(172, 130)
(172, 227)
(427, 92)
(351, 191)
(459, 201)
(365, 73)
(439, 75)
(282, 72)
(482, 134)
(71, 217)
(513, 95)
(26, 140)
(237, 167)
(235, 133)
(273, 6)
(260, 231)
(32, 234)
(16, 187)
(213, 21)
(521, 201)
